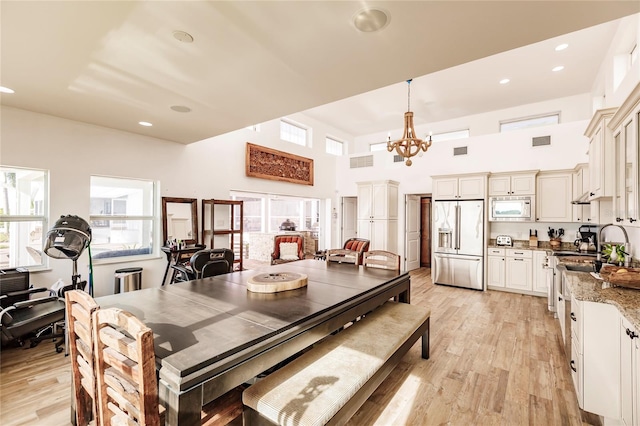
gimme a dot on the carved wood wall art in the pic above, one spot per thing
(267, 163)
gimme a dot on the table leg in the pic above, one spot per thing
(182, 409)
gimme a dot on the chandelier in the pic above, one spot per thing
(409, 145)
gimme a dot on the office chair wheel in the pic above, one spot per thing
(58, 349)
(33, 344)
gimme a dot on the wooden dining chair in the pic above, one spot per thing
(79, 310)
(127, 387)
(381, 259)
(343, 256)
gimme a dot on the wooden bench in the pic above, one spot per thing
(330, 382)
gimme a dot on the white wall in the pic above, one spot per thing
(74, 151)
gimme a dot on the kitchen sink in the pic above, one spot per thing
(579, 268)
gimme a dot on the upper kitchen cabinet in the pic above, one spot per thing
(553, 196)
(514, 183)
(625, 127)
(460, 187)
(601, 154)
(378, 200)
(581, 207)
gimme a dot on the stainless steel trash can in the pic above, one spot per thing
(127, 279)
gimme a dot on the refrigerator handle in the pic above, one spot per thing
(457, 227)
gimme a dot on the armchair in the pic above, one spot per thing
(351, 252)
(287, 248)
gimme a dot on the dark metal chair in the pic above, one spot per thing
(195, 269)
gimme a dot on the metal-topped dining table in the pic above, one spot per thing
(212, 334)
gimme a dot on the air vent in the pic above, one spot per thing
(461, 150)
(541, 141)
(398, 159)
(364, 161)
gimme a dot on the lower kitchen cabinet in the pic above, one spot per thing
(496, 267)
(596, 357)
(540, 272)
(518, 269)
(629, 372)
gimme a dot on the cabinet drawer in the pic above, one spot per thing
(495, 252)
(527, 254)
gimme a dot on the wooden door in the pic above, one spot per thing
(425, 232)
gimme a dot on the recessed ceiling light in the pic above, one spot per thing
(183, 36)
(370, 20)
(145, 123)
(558, 68)
(6, 90)
(561, 47)
(180, 108)
(504, 81)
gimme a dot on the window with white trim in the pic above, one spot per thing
(24, 212)
(334, 146)
(528, 122)
(294, 133)
(446, 136)
(122, 217)
(379, 146)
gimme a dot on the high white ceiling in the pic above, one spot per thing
(114, 63)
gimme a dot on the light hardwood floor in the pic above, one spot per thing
(496, 358)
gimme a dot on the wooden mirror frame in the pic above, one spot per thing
(194, 217)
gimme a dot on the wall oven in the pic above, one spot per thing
(511, 209)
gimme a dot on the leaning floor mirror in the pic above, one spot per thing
(180, 219)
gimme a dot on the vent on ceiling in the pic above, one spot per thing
(398, 159)
(461, 150)
(541, 141)
(364, 161)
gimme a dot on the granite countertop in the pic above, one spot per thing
(585, 287)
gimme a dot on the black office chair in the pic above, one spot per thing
(22, 318)
(194, 270)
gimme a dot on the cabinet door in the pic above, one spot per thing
(540, 272)
(364, 229)
(630, 171)
(365, 199)
(495, 271)
(627, 372)
(554, 198)
(596, 163)
(518, 274)
(523, 185)
(379, 201)
(445, 189)
(499, 185)
(471, 188)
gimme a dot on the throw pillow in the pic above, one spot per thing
(289, 251)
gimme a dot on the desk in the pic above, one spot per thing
(178, 255)
(212, 335)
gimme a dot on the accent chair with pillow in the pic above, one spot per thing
(287, 248)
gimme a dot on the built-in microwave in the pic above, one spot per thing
(511, 209)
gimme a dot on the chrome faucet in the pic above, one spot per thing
(626, 242)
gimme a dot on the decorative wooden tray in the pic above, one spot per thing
(275, 282)
(621, 276)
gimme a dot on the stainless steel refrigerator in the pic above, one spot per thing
(458, 246)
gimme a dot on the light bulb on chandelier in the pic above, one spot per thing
(409, 145)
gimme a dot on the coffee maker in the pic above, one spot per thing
(587, 240)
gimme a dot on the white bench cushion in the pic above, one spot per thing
(314, 387)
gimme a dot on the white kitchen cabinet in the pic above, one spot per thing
(554, 196)
(598, 357)
(519, 269)
(515, 183)
(581, 212)
(378, 214)
(382, 234)
(629, 372)
(460, 187)
(540, 271)
(378, 200)
(601, 154)
(625, 126)
(496, 267)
